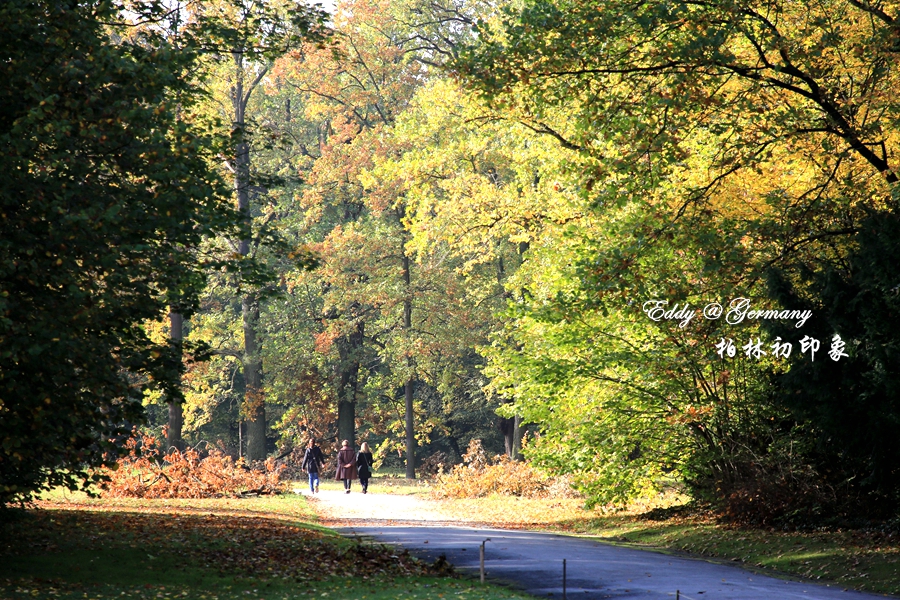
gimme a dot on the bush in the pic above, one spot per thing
(769, 481)
(435, 464)
(480, 476)
(148, 473)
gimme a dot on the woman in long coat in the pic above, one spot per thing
(346, 465)
(364, 466)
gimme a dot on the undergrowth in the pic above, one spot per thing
(147, 472)
(480, 475)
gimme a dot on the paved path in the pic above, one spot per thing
(533, 561)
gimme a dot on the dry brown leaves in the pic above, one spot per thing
(481, 476)
(261, 547)
(146, 472)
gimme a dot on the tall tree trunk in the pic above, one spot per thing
(506, 428)
(348, 384)
(511, 427)
(517, 439)
(347, 416)
(408, 386)
(410, 431)
(176, 414)
(512, 436)
(254, 400)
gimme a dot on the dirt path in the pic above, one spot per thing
(337, 509)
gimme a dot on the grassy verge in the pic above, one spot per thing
(210, 549)
(286, 506)
(862, 560)
(394, 589)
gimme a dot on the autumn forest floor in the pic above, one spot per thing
(278, 547)
(70, 546)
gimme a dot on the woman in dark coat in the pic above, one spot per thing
(364, 466)
(346, 465)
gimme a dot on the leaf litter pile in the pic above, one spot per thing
(266, 549)
(148, 472)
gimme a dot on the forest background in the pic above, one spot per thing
(241, 224)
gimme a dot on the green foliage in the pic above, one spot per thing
(482, 242)
(342, 327)
(106, 194)
(711, 143)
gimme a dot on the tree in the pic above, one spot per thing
(355, 93)
(246, 37)
(106, 193)
(763, 132)
(469, 179)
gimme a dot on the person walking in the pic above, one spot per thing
(312, 461)
(346, 465)
(364, 466)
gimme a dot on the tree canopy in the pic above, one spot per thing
(757, 142)
(446, 221)
(107, 192)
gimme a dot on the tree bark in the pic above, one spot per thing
(408, 386)
(517, 439)
(506, 428)
(254, 400)
(410, 431)
(348, 384)
(176, 413)
(512, 436)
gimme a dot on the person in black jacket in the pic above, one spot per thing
(312, 460)
(364, 466)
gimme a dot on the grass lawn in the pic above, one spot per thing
(263, 548)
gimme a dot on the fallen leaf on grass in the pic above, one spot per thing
(244, 545)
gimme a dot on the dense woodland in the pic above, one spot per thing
(417, 223)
